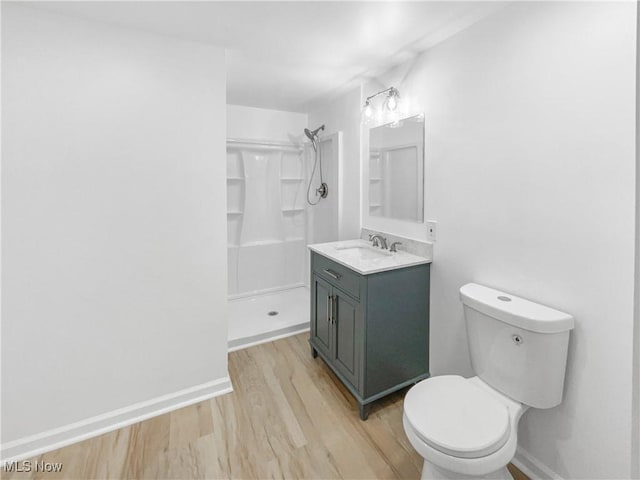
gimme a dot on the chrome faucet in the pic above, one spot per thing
(378, 240)
(394, 245)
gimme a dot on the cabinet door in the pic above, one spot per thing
(320, 319)
(345, 353)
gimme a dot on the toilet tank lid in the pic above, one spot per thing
(514, 310)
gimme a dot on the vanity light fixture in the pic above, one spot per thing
(389, 110)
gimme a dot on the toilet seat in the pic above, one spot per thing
(456, 417)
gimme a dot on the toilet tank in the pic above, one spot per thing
(517, 346)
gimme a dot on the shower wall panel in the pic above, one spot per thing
(323, 217)
(262, 214)
(267, 216)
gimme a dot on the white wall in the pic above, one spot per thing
(635, 420)
(343, 115)
(264, 124)
(531, 176)
(113, 219)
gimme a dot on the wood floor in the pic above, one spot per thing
(288, 417)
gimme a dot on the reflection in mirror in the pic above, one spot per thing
(396, 170)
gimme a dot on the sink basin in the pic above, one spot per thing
(362, 253)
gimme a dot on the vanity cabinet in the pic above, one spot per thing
(372, 330)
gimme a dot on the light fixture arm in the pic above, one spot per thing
(391, 90)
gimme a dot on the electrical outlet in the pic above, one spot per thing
(431, 230)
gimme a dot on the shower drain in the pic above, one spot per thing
(272, 313)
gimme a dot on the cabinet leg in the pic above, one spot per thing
(314, 352)
(364, 410)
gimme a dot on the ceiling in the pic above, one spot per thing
(293, 55)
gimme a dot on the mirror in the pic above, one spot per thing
(396, 170)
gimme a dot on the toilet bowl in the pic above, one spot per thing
(468, 427)
(461, 427)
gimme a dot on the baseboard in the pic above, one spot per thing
(532, 467)
(53, 439)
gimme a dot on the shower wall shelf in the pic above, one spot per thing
(375, 182)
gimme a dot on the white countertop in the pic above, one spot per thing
(360, 256)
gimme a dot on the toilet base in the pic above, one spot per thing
(433, 472)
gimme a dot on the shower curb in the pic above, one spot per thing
(253, 340)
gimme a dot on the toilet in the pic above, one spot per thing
(468, 427)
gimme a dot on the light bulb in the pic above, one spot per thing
(368, 111)
(392, 102)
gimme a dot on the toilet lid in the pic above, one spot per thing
(456, 417)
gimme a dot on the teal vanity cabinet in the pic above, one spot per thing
(371, 330)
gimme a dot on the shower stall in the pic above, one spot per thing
(269, 224)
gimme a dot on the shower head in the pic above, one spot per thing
(312, 135)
